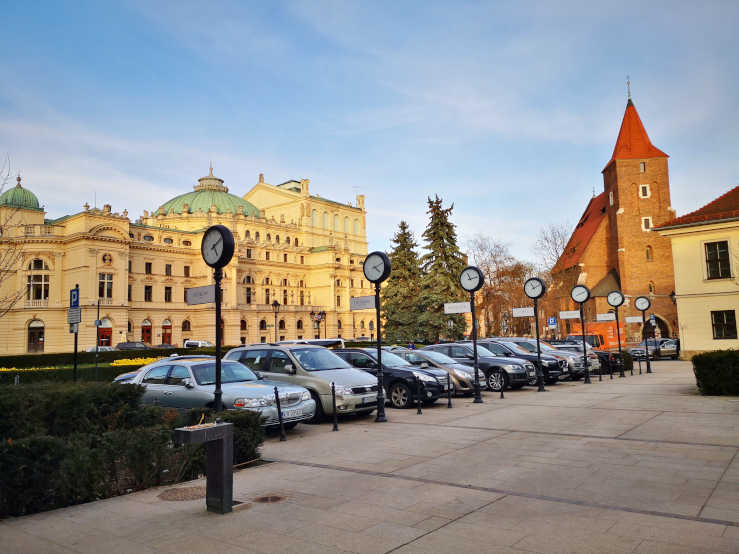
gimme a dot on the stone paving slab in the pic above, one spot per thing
(621, 477)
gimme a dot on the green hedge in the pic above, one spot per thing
(62, 444)
(104, 374)
(717, 372)
(628, 361)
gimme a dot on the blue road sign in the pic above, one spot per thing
(552, 322)
(74, 298)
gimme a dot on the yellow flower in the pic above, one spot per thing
(134, 361)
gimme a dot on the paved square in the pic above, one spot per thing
(642, 464)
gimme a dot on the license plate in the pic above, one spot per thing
(292, 413)
(369, 399)
(532, 373)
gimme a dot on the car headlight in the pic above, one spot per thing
(258, 402)
(550, 363)
(462, 374)
(342, 390)
(305, 395)
(424, 377)
(511, 367)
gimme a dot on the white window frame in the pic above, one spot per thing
(642, 167)
(649, 191)
(644, 227)
(610, 197)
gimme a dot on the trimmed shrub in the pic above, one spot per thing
(248, 430)
(104, 374)
(717, 372)
(628, 360)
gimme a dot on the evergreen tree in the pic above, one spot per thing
(441, 265)
(401, 311)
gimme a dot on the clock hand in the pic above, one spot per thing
(469, 277)
(378, 267)
(216, 243)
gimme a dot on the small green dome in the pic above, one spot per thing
(209, 192)
(19, 197)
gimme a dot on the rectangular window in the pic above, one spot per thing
(168, 294)
(147, 268)
(284, 297)
(284, 258)
(147, 293)
(248, 253)
(187, 270)
(248, 295)
(130, 265)
(105, 285)
(724, 324)
(338, 300)
(610, 198)
(266, 256)
(352, 282)
(130, 293)
(642, 167)
(168, 269)
(302, 260)
(644, 191)
(717, 260)
(266, 296)
(646, 223)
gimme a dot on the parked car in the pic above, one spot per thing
(399, 376)
(573, 369)
(131, 346)
(197, 344)
(328, 343)
(597, 359)
(499, 372)
(461, 375)
(164, 346)
(658, 348)
(595, 341)
(552, 368)
(315, 368)
(101, 349)
(186, 382)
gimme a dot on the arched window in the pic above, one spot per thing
(314, 218)
(247, 235)
(168, 240)
(325, 220)
(105, 332)
(361, 324)
(281, 325)
(186, 243)
(287, 241)
(148, 238)
(36, 336)
(146, 331)
(166, 332)
(296, 242)
(649, 254)
(356, 226)
(269, 237)
(371, 325)
(256, 236)
(346, 224)
(338, 324)
(336, 222)
(652, 289)
(243, 325)
(299, 325)
(263, 325)
(277, 239)
(247, 280)
(186, 325)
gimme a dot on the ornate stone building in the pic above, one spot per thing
(614, 245)
(302, 250)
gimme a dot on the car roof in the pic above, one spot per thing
(273, 346)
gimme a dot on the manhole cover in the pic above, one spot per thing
(183, 493)
(269, 498)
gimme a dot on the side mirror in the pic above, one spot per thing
(188, 384)
(290, 369)
(423, 365)
(259, 374)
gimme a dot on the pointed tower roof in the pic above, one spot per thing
(633, 141)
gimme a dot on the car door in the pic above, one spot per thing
(256, 360)
(495, 348)
(363, 361)
(461, 354)
(155, 382)
(177, 395)
(276, 366)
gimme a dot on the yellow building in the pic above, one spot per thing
(302, 250)
(705, 252)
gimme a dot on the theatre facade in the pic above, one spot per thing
(298, 249)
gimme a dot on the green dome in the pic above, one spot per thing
(18, 197)
(209, 192)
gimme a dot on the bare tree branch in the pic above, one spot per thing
(550, 243)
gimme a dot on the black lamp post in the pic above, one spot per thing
(317, 317)
(276, 310)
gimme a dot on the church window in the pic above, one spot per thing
(650, 254)
(610, 198)
(642, 167)
(717, 260)
(644, 191)
(646, 223)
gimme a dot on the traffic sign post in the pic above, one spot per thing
(74, 317)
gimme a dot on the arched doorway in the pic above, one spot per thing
(146, 331)
(166, 332)
(105, 332)
(661, 330)
(36, 336)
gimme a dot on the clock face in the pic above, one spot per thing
(376, 267)
(218, 246)
(471, 279)
(534, 288)
(580, 294)
(642, 303)
(615, 298)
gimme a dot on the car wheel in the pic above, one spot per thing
(497, 380)
(400, 395)
(533, 381)
(319, 416)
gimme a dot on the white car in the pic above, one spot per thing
(101, 349)
(197, 344)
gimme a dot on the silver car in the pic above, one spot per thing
(185, 382)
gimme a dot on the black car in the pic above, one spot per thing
(399, 376)
(131, 346)
(574, 365)
(552, 368)
(499, 372)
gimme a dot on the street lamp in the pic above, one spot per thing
(275, 309)
(317, 317)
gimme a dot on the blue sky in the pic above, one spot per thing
(508, 109)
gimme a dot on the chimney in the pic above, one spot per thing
(304, 187)
(261, 177)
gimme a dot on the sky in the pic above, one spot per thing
(508, 110)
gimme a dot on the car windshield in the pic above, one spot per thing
(546, 346)
(231, 372)
(526, 346)
(388, 358)
(318, 359)
(438, 357)
(515, 348)
(484, 352)
(652, 342)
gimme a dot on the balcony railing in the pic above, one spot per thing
(106, 301)
(38, 303)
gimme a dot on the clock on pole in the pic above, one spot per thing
(376, 269)
(581, 294)
(616, 299)
(535, 289)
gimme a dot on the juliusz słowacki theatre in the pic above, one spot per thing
(298, 249)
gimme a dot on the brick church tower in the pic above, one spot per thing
(614, 245)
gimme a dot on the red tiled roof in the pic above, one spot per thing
(725, 206)
(584, 231)
(633, 141)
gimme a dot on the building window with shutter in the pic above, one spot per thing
(717, 260)
(724, 324)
